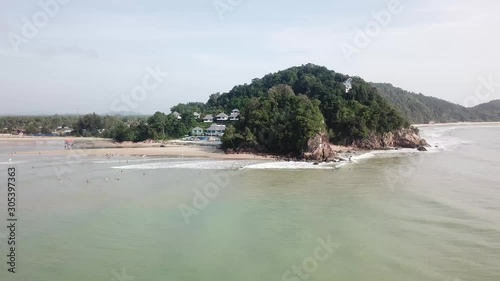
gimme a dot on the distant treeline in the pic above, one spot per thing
(121, 128)
(36, 124)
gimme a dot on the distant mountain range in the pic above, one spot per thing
(420, 109)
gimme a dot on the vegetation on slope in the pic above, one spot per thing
(279, 122)
(349, 116)
(424, 109)
(487, 111)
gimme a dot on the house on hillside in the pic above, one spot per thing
(235, 111)
(197, 131)
(234, 117)
(177, 115)
(208, 119)
(216, 130)
(222, 117)
(197, 115)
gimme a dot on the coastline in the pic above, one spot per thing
(174, 151)
(106, 147)
(174, 148)
(457, 124)
(91, 146)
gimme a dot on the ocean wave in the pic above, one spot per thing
(13, 162)
(203, 164)
(440, 138)
(292, 166)
(232, 165)
(118, 161)
(190, 164)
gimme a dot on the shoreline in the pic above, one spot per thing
(92, 146)
(456, 124)
(169, 151)
(176, 148)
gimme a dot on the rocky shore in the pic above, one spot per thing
(320, 149)
(403, 138)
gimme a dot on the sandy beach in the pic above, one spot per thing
(175, 148)
(103, 147)
(458, 124)
(176, 151)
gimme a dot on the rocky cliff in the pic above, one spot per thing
(319, 149)
(403, 138)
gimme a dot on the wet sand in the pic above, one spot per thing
(103, 147)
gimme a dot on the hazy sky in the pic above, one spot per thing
(92, 54)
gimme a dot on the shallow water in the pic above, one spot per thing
(391, 216)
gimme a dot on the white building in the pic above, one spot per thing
(222, 117)
(208, 119)
(216, 130)
(234, 117)
(177, 115)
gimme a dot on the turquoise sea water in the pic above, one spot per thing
(387, 216)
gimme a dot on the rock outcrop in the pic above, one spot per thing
(404, 138)
(319, 149)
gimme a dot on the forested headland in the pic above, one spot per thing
(278, 114)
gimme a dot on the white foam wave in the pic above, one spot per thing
(363, 156)
(13, 162)
(189, 164)
(291, 166)
(441, 139)
(118, 161)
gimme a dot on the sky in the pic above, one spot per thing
(68, 56)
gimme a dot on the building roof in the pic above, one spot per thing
(222, 115)
(217, 128)
(197, 129)
(234, 115)
(208, 117)
(236, 110)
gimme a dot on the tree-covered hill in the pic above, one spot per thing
(281, 113)
(347, 115)
(487, 111)
(424, 109)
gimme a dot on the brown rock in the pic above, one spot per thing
(319, 149)
(404, 138)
